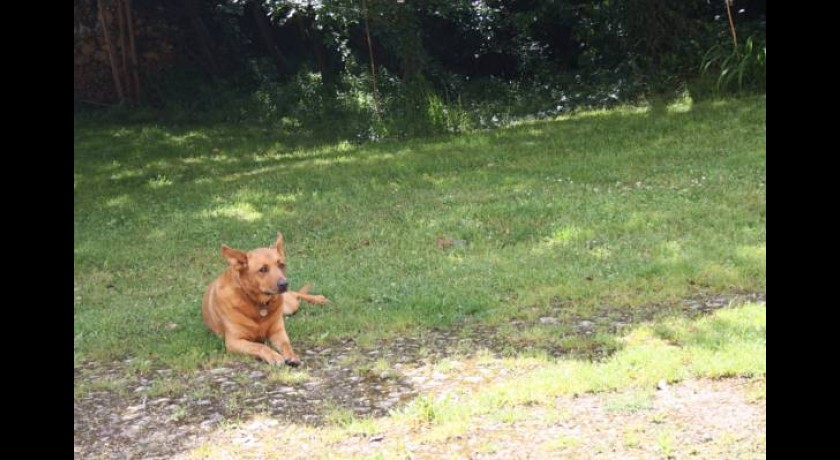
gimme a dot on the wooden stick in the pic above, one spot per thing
(731, 24)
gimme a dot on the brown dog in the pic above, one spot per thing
(245, 304)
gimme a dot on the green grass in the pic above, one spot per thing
(615, 209)
(648, 357)
(589, 217)
(286, 376)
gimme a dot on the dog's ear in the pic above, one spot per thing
(278, 245)
(235, 258)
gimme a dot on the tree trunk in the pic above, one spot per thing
(313, 38)
(122, 47)
(202, 37)
(265, 30)
(111, 57)
(132, 51)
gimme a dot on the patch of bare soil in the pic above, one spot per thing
(131, 418)
(708, 419)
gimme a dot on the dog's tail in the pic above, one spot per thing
(303, 294)
(305, 289)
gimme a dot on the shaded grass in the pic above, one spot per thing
(622, 207)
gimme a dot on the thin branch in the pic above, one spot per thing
(731, 23)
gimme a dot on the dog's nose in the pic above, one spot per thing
(283, 285)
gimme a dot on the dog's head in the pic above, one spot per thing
(261, 271)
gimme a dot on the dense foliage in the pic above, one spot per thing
(405, 67)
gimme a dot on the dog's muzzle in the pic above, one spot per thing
(282, 286)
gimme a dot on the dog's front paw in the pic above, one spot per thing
(275, 360)
(294, 361)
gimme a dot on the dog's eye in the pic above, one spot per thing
(281, 265)
(264, 269)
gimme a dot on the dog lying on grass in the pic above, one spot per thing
(245, 305)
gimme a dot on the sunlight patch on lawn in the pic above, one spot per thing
(601, 252)
(118, 201)
(564, 236)
(757, 253)
(672, 251)
(241, 211)
(189, 137)
(349, 159)
(156, 234)
(160, 181)
(127, 174)
(642, 220)
(597, 113)
(682, 105)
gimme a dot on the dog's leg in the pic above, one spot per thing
(255, 349)
(281, 340)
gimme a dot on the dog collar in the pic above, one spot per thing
(264, 308)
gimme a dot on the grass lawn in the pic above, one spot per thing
(559, 241)
(604, 210)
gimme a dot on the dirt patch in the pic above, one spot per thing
(119, 413)
(703, 418)
(692, 419)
